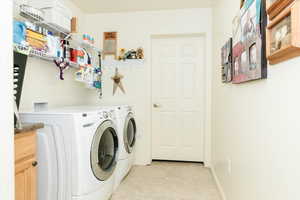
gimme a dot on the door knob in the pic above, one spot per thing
(156, 105)
(34, 164)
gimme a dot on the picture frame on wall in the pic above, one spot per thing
(227, 62)
(283, 35)
(274, 7)
(249, 42)
(242, 3)
(110, 44)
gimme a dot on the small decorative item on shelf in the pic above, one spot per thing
(140, 53)
(274, 7)
(131, 54)
(283, 35)
(227, 62)
(122, 53)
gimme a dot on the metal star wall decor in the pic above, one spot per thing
(117, 78)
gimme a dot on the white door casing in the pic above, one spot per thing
(178, 98)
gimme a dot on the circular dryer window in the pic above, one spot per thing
(129, 133)
(103, 151)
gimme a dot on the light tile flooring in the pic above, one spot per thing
(168, 181)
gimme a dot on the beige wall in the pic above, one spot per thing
(135, 30)
(42, 84)
(255, 125)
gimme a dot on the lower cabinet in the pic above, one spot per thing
(25, 166)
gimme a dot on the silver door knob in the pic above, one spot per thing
(156, 105)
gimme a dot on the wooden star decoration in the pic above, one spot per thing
(117, 78)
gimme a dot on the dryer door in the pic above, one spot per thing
(129, 133)
(103, 151)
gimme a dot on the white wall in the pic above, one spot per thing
(135, 30)
(256, 125)
(42, 84)
(6, 107)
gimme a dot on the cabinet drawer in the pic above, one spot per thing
(25, 146)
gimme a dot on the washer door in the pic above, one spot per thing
(103, 151)
(129, 133)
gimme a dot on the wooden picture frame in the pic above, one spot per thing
(274, 7)
(283, 35)
(242, 3)
(110, 44)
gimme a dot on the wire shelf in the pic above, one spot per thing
(24, 12)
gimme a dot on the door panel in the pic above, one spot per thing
(177, 96)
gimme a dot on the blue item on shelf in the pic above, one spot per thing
(19, 32)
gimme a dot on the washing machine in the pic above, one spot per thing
(127, 132)
(77, 153)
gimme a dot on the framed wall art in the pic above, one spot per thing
(283, 35)
(249, 49)
(242, 3)
(227, 62)
(274, 7)
(110, 44)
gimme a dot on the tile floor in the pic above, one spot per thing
(168, 181)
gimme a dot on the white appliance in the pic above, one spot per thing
(77, 152)
(127, 131)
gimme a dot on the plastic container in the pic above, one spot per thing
(56, 13)
(57, 18)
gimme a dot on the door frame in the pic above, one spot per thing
(207, 91)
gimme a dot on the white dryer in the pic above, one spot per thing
(77, 153)
(127, 131)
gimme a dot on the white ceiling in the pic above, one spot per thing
(97, 6)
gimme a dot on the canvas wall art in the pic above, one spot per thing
(227, 62)
(249, 49)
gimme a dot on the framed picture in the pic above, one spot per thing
(283, 35)
(227, 62)
(110, 44)
(242, 3)
(249, 49)
(274, 7)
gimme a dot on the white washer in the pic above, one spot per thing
(127, 131)
(77, 153)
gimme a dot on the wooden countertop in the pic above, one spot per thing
(29, 127)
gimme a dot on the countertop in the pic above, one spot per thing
(29, 127)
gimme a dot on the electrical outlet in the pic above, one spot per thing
(229, 165)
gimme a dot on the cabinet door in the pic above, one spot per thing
(25, 181)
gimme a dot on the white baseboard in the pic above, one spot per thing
(219, 186)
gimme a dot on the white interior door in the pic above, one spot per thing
(178, 89)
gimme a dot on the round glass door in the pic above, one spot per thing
(104, 150)
(129, 133)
